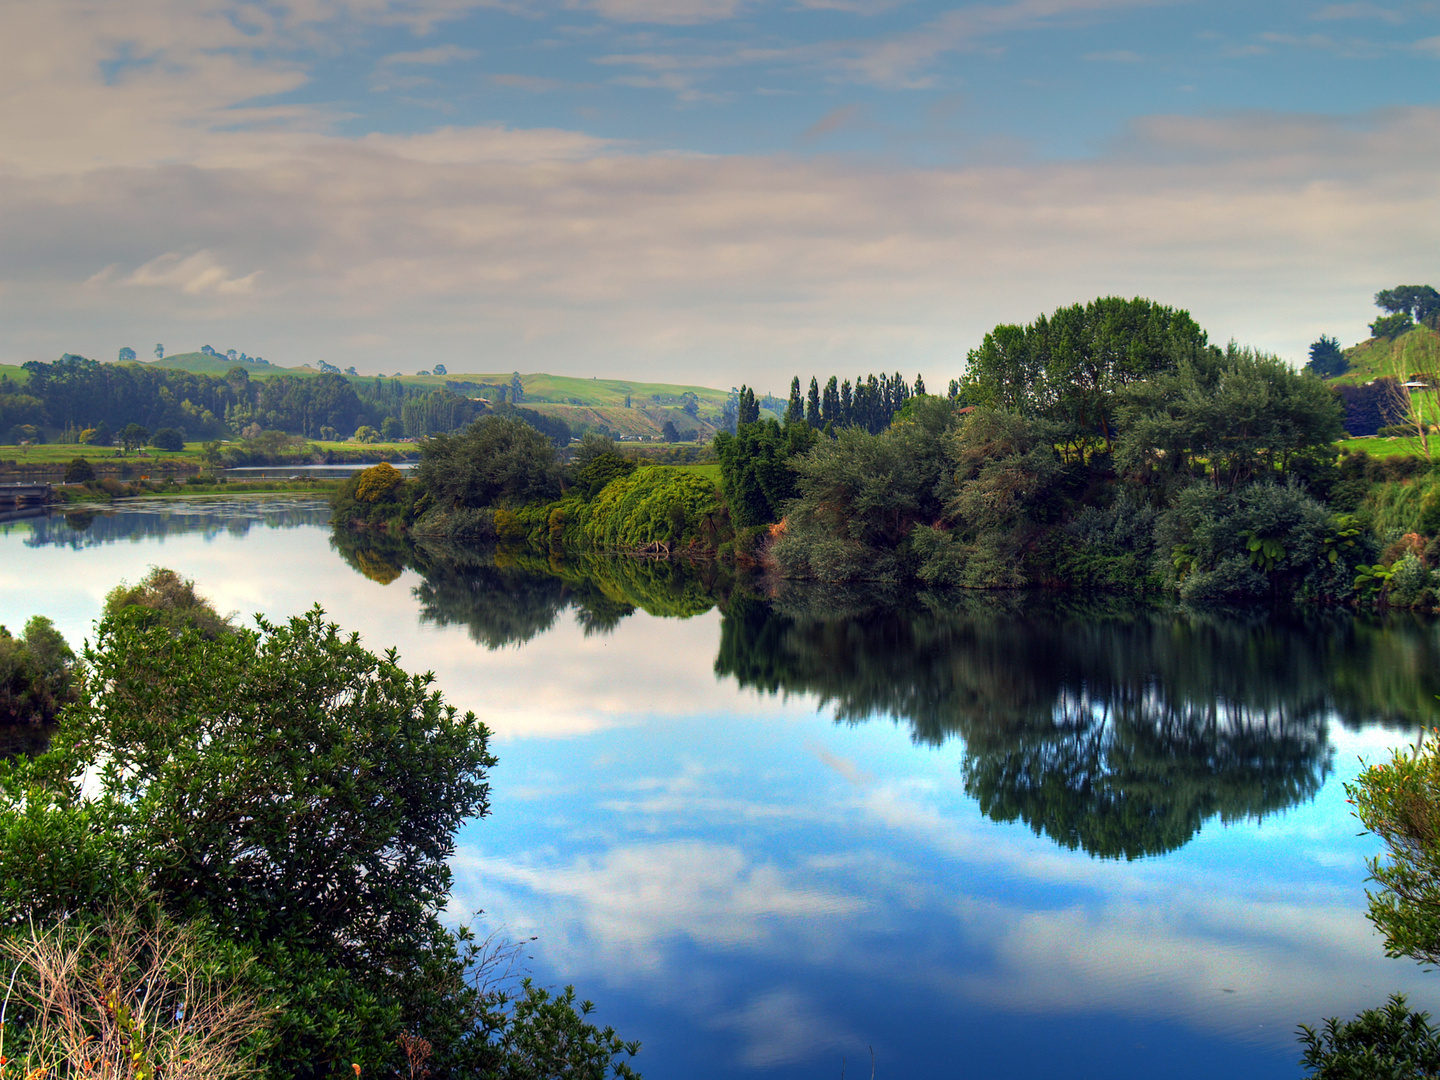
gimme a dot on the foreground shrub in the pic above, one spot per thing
(299, 795)
(1391, 1043)
(128, 997)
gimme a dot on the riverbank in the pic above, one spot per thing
(107, 489)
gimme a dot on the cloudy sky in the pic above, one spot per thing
(710, 191)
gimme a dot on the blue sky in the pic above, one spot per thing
(714, 191)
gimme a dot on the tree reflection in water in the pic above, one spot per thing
(1108, 727)
(1111, 729)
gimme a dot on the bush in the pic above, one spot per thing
(36, 673)
(653, 505)
(1392, 1043)
(79, 471)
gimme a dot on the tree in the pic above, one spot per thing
(669, 432)
(1392, 1043)
(812, 405)
(168, 438)
(209, 756)
(159, 352)
(1071, 366)
(496, 461)
(690, 404)
(795, 410)
(127, 355)
(755, 468)
(79, 471)
(1326, 359)
(366, 434)
(133, 435)
(1238, 414)
(36, 671)
(919, 385)
(163, 598)
(439, 369)
(390, 429)
(748, 411)
(1399, 801)
(1418, 302)
(1391, 326)
(517, 389)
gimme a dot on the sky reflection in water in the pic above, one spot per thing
(755, 889)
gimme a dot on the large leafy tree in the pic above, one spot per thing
(1069, 367)
(1237, 415)
(296, 797)
(1418, 302)
(498, 460)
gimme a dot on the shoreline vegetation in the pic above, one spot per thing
(1108, 447)
(157, 917)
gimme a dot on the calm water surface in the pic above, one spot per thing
(993, 837)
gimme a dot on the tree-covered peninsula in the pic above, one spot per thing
(1106, 447)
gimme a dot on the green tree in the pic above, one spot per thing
(131, 436)
(795, 409)
(1418, 302)
(1237, 415)
(79, 471)
(168, 438)
(164, 598)
(296, 797)
(1069, 367)
(755, 468)
(1391, 326)
(1326, 358)
(497, 461)
(36, 673)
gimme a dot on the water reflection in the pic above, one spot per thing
(1108, 728)
(148, 519)
(508, 598)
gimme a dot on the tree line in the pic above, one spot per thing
(76, 397)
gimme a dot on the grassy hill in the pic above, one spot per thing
(1413, 352)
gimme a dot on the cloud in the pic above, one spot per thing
(531, 83)
(666, 12)
(557, 249)
(835, 120)
(198, 274)
(434, 57)
(1115, 56)
(1369, 12)
(901, 60)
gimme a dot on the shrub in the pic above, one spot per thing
(652, 505)
(79, 471)
(1391, 1043)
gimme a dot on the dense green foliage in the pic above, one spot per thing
(1069, 367)
(754, 466)
(36, 674)
(1327, 360)
(497, 461)
(291, 799)
(1389, 1043)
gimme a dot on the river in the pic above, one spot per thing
(987, 836)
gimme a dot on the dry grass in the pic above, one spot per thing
(124, 1001)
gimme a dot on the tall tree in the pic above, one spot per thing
(812, 405)
(1326, 358)
(795, 410)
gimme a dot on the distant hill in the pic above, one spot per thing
(197, 363)
(1413, 352)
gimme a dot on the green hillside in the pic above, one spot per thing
(197, 363)
(1414, 352)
